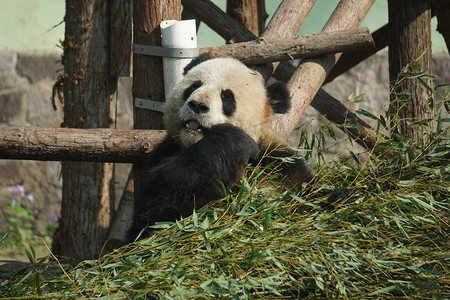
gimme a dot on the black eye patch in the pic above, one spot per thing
(188, 92)
(228, 102)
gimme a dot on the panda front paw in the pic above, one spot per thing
(233, 139)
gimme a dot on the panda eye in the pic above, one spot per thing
(188, 92)
(228, 102)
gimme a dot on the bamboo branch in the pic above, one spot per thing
(74, 144)
(334, 111)
(264, 50)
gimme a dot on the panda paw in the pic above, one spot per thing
(233, 139)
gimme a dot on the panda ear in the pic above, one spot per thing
(196, 61)
(279, 98)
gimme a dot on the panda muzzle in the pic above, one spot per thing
(194, 126)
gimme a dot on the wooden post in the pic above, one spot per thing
(350, 59)
(121, 31)
(148, 77)
(226, 27)
(89, 102)
(311, 73)
(250, 13)
(410, 22)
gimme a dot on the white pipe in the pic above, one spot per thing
(176, 34)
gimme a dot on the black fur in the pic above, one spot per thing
(177, 180)
(196, 61)
(188, 92)
(228, 102)
(280, 100)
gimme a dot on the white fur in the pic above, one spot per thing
(217, 75)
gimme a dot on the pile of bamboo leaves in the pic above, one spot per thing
(262, 242)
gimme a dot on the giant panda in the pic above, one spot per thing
(218, 120)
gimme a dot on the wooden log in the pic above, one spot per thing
(284, 71)
(349, 122)
(88, 188)
(311, 73)
(264, 50)
(285, 22)
(250, 13)
(73, 144)
(217, 20)
(121, 30)
(123, 219)
(410, 22)
(350, 59)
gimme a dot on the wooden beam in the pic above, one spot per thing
(225, 26)
(350, 59)
(313, 71)
(217, 20)
(250, 13)
(73, 144)
(264, 50)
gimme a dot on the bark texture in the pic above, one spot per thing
(264, 50)
(250, 13)
(410, 22)
(68, 144)
(89, 102)
(311, 73)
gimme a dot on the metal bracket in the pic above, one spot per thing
(149, 104)
(166, 52)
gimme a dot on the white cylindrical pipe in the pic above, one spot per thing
(176, 34)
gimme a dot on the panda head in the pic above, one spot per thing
(222, 90)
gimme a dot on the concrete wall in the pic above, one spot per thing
(26, 81)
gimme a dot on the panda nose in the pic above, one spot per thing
(197, 107)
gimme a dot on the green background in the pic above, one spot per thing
(38, 24)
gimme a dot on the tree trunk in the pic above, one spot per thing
(250, 13)
(148, 77)
(410, 36)
(89, 102)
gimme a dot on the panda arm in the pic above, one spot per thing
(294, 173)
(193, 178)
